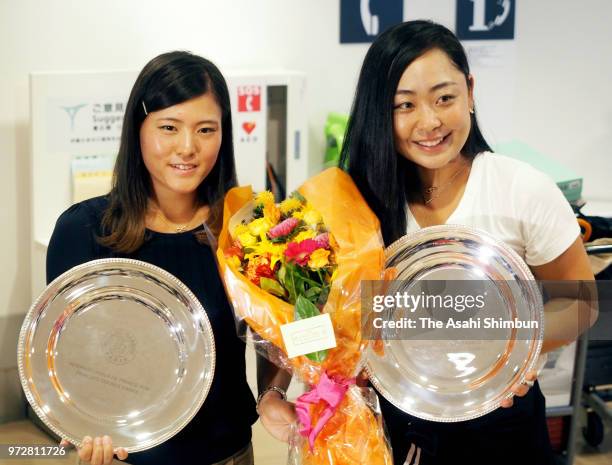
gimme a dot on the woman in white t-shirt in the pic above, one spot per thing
(414, 149)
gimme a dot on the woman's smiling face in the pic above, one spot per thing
(180, 144)
(431, 110)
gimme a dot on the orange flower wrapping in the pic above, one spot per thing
(360, 256)
(354, 424)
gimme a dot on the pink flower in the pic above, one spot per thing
(322, 240)
(300, 253)
(283, 228)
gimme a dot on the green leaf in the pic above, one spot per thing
(300, 285)
(322, 297)
(312, 294)
(272, 286)
(302, 274)
(287, 279)
(318, 357)
(298, 196)
(280, 274)
(304, 308)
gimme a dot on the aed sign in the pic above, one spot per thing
(249, 98)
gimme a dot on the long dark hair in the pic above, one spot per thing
(387, 180)
(168, 79)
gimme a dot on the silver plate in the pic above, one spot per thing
(440, 374)
(117, 347)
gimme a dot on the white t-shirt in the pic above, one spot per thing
(517, 204)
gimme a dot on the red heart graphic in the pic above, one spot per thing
(248, 126)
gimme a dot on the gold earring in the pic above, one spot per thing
(471, 111)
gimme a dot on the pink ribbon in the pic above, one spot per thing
(327, 390)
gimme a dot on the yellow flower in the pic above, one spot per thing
(290, 204)
(247, 239)
(265, 198)
(302, 235)
(272, 213)
(234, 262)
(299, 214)
(312, 217)
(259, 227)
(240, 229)
(267, 249)
(319, 258)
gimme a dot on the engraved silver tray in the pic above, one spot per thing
(118, 347)
(448, 374)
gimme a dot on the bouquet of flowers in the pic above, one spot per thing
(299, 259)
(286, 251)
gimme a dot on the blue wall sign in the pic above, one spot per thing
(362, 20)
(485, 19)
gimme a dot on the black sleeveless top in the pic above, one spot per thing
(223, 425)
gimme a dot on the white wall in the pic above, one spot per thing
(561, 104)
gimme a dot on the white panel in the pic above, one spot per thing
(70, 116)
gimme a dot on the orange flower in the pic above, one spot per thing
(318, 259)
(259, 267)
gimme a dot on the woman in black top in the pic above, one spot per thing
(410, 143)
(175, 163)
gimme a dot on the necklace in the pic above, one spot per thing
(178, 228)
(434, 191)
